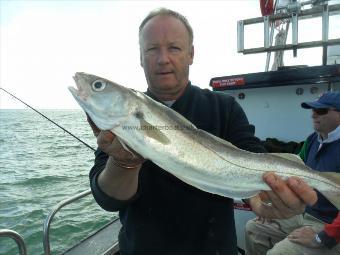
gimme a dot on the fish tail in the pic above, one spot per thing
(334, 195)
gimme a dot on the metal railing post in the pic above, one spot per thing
(17, 238)
(48, 220)
(325, 31)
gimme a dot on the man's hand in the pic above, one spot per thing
(119, 179)
(286, 199)
(304, 236)
(109, 143)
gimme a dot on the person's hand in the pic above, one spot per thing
(286, 198)
(109, 143)
(304, 236)
(119, 178)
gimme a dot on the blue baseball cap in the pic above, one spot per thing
(327, 100)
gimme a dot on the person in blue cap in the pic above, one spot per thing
(307, 233)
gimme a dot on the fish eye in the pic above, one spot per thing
(98, 85)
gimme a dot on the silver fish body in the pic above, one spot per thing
(196, 157)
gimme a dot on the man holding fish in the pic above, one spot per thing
(160, 213)
(317, 231)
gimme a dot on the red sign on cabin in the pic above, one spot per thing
(237, 81)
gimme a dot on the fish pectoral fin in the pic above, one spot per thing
(289, 156)
(153, 132)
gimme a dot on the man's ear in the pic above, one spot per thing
(192, 53)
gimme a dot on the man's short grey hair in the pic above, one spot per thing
(167, 12)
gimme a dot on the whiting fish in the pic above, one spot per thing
(196, 157)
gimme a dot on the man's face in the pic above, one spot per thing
(325, 123)
(166, 55)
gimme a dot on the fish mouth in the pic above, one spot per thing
(74, 91)
(80, 92)
(78, 96)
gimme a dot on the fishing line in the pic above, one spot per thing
(49, 120)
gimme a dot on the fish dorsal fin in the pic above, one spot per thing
(333, 176)
(288, 156)
(153, 132)
(222, 145)
(292, 157)
(205, 134)
(167, 111)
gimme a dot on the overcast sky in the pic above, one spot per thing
(43, 43)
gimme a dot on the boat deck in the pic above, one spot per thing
(103, 242)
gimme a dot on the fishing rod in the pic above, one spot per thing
(49, 119)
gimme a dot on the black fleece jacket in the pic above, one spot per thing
(168, 216)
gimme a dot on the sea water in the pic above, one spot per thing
(41, 165)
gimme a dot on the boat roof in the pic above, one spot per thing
(287, 76)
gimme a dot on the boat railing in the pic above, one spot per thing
(293, 15)
(17, 238)
(49, 218)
